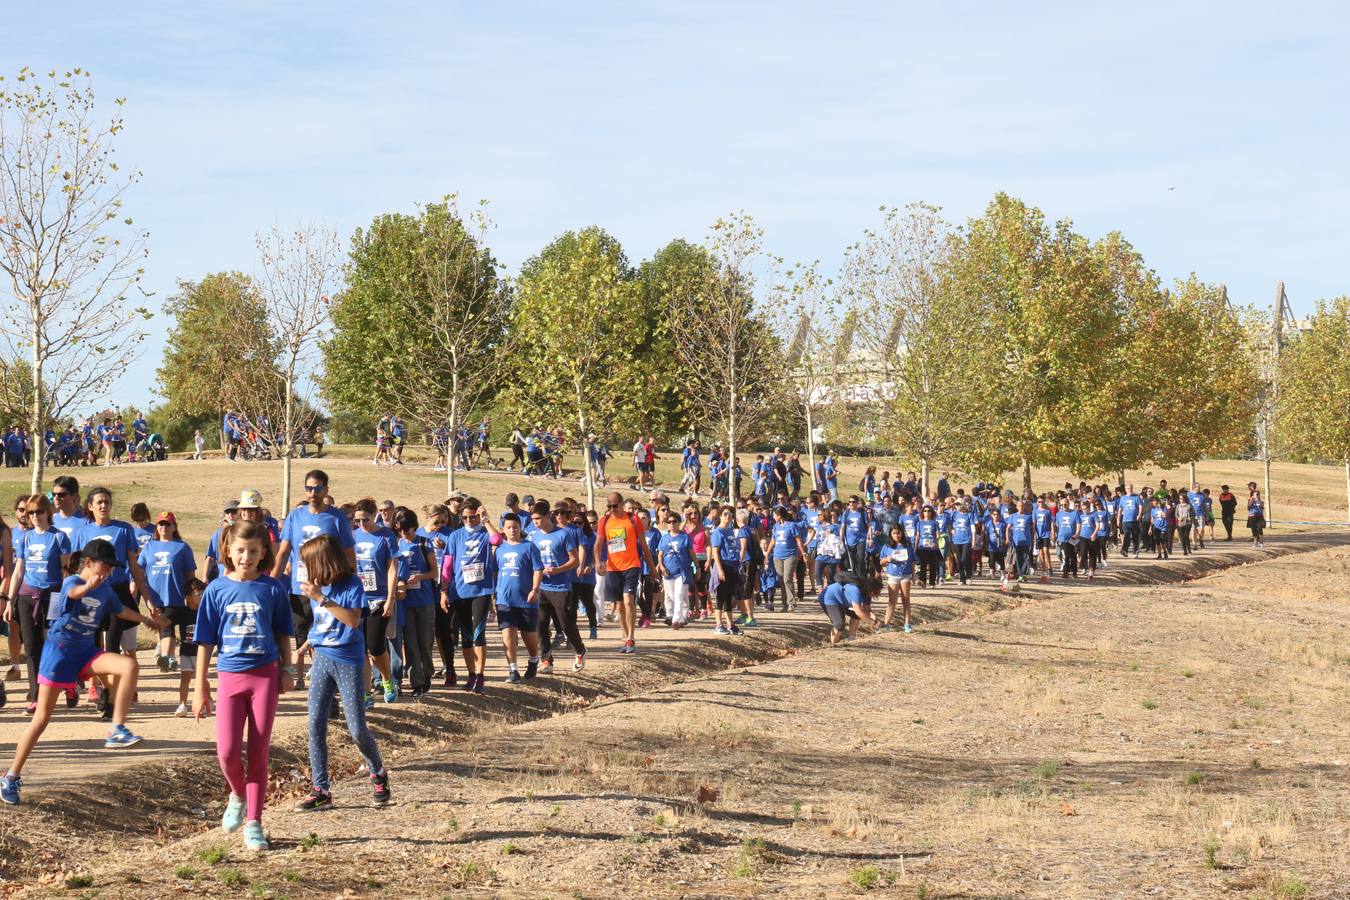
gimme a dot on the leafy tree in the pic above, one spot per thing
(220, 348)
(806, 314)
(731, 361)
(577, 314)
(673, 273)
(1314, 383)
(68, 252)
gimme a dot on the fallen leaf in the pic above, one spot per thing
(707, 794)
(1067, 810)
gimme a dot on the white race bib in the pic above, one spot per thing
(472, 573)
(368, 581)
(618, 543)
(301, 572)
(902, 554)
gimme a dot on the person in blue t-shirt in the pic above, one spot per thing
(468, 577)
(1087, 539)
(1066, 535)
(897, 561)
(302, 524)
(675, 564)
(1256, 517)
(245, 617)
(785, 550)
(41, 556)
(1129, 508)
(1021, 537)
(339, 642)
(831, 476)
(70, 654)
(520, 571)
(169, 565)
(560, 557)
(846, 604)
(1157, 516)
(963, 536)
(996, 543)
(377, 570)
(419, 599)
(926, 547)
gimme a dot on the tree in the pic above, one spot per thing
(67, 249)
(924, 352)
(220, 341)
(576, 311)
(298, 271)
(1314, 385)
(673, 272)
(806, 318)
(731, 362)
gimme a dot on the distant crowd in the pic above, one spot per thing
(108, 442)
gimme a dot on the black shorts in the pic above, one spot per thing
(1043, 543)
(117, 627)
(524, 618)
(471, 616)
(619, 583)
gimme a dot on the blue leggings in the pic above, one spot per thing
(325, 677)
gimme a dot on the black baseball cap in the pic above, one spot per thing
(99, 550)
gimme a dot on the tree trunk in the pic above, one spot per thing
(1120, 478)
(733, 488)
(1347, 490)
(810, 442)
(923, 479)
(1026, 477)
(289, 416)
(224, 439)
(1192, 481)
(1270, 519)
(585, 446)
(453, 436)
(36, 431)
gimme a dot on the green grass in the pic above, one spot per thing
(1211, 850)
(310, 841)
(233, 878)
(79, 881)
(212, 855)
(1253, 702)
(1046, 769)
(1187, 673)
(1150, 704)
(1195, 777)
(184, 872)
(865, 877)
(509, 849)
(753, 851)
(291, 875)
(797, 809)
(1289, 887)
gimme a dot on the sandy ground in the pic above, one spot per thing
(1139, 737)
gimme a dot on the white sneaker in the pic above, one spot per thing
(182, 711)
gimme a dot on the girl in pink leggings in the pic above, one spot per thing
(246, 617)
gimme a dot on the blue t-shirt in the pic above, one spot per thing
(845, 595)
(117, 533)
(1066, 525)
(328, 635)
(167, 566)
(1103, 520)
(77, 621)
(727, 544)
(372, 564)
(585, 547)
(900, 560)
(993, 531)
(439, 539)
(855, 527)
(928, 533)
(41, 554)
(963, 527)
(554, 548)
(1042, 515)
(242, 619)
(1158, 516)
(69, 525)
(516, 565)
(143, 536)
(1197, 500)
(1087, 525)
(473, 562)
(303, 525)
(676, 553)
(785, 540)
(413, 557)
(1129, 508)
(1020, 525)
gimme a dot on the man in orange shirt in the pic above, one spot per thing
(620, 546)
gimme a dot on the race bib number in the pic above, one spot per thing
(618, 541)
(368, 581)
(301, 572)
(902, 554)
(472, 573)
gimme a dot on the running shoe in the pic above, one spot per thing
(9, 788)
(594, 633)
(390, 691)
(121, 738)
(580, 663)
(12, 674)
(30, 709)
(173, 664)
(547, 667)
(721, 629)
(254, 836)
(735, 632)
(370, 701)
(380, 785)
(748, 623)
(909, 629)
(72, 698)
(182, 711)
(468, 685)
(162, 662)
(740, 620)
(629, 646)
(233, 819)
(317, 801)
(451, 679)
(478, 686)
(645, 622)
(532, 668)
(513, 676)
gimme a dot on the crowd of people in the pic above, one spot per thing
(109, 441)
(362, 602)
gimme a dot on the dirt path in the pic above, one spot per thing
(1110, 741)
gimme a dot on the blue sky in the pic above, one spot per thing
(654, 119)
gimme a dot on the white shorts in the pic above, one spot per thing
(897, 580)
(129, 639)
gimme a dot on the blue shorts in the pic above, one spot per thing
(619, 583)
(524, 618)
(63, 665)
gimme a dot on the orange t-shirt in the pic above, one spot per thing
(622, 536)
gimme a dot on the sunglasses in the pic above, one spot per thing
(361, 520)
(60, 493)
(34, 510)
(164, 524)
(312, 488)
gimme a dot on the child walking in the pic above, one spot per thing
(246, 616)
(339, 642)
(70, 654)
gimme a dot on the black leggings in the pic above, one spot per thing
(471, 617)
(727, 589)
(376, 626)
(930, 565)
(584, 595)
(963, 566)
(1185, 532)
(559, 607)
(445, 636)
(997, 560)
(517, 455)
(33, 630)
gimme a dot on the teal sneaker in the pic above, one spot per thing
(254, 836)
(390, 692)
(233, 819)
(9, 789)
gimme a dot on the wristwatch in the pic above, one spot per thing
(290, 670)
